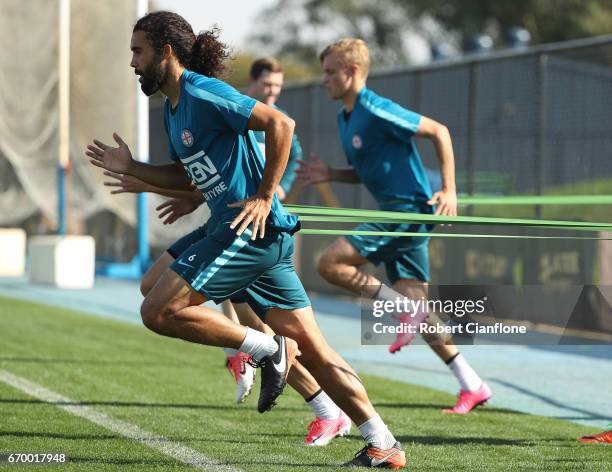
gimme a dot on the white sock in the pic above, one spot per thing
(258, 344)
(323, 406)
(230, 352)
(467, 377)
(387, 293)
(376, 433)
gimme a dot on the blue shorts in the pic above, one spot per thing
(404, 257)
(221, 265)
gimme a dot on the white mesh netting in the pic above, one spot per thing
(102, 100)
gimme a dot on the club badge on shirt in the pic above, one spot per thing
(187, 137)
(357, 143)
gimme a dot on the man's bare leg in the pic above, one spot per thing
(172, 308)
(332, 372)
(329, 419)
(299, 378)
(238, 363)
(340, 264)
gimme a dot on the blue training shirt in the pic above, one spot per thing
(208, 136)
(377, 140)
(295, 154)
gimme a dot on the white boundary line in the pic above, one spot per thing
(159, 443)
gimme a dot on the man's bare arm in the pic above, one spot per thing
(169, 177)
(278, 128)
(316, 171)
(346, 175)
(446, 199)
(124, 183)
(119, 160)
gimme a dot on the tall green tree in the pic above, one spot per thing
(393, 28)
(301, 28)
(239, 67)
(546, 20)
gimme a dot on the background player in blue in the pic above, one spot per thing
(265, 84)
(266, 78)
(377, 137)
(249, 247)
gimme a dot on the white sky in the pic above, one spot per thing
(234, 17)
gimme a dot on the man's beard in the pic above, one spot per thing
(153, 77)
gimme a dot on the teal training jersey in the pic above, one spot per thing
(377, 140)
(295, 154)
(208, 136)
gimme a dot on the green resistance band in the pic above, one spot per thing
(400, 217)
(342, 232)
(537, 200)
(369, 219)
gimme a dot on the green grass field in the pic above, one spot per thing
(182, 392)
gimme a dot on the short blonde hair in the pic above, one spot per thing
(350, 51)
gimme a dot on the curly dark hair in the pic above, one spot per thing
(203, 53)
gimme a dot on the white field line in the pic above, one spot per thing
(159, 443)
